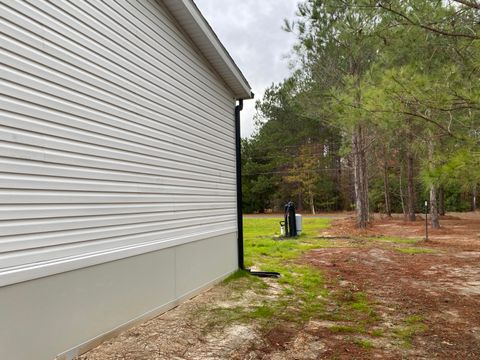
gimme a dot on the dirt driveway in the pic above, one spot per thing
(388, 295)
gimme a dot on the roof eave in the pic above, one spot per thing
(192, 21)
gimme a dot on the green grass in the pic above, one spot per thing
(303, 294)
(414, 250)
(262, 249)
(364, 343)
(361, 303)
(412, 325)
(218, 317)
(414, 319)
(345, 329)
(239, 274)
(303, 284)
(260, 227)
(377, 333)
(262, 312)
(395, 239)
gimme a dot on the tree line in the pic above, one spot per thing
(380, 112)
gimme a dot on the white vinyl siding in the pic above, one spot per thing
(116, 136)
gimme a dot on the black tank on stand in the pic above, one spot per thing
(290, 222)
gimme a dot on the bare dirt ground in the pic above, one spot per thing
(390, 296)
(436, 281)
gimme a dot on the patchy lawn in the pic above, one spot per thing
(344, 294)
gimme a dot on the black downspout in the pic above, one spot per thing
(238, 156)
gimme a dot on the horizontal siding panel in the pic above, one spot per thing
(21, 227)
(64, 144)
(116, 136)
(113, 21)
(81, 90)
(45, 211)
(37, 153)
(16, 181)
(14, 166)
(159, 40)
(60, 131)
(14, 196)
(20, 242)
(143, 46)
(42, 93)
(20, 64)
(160, 135)
(106, 62)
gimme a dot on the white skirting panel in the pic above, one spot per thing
(65, 314)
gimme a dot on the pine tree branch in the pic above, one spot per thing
(470, 4)
(428, 27)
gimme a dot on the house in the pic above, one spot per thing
(118, 168)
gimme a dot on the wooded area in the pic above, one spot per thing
(380, 113)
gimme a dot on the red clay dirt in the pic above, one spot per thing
(440, 286)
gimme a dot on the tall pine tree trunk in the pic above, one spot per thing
(340, 203)
(433, 189)
(410, 189)
(441, 201)
(410, 173)
(312, 203)
(300, 202)
(386, 190)
(434, 207)
(474, 198)
(360, 176)
(400, 183)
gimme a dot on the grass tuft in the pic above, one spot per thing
(239, 274)
(414, 250)
(396, 239)
(262, 312)
(412, 326)
(364, 343)
(345, 329)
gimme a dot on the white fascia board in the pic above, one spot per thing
(192, 21)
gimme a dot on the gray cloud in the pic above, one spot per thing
(251, 32)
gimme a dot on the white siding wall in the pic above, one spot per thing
(116, 136)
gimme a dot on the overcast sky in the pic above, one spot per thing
(251, 32)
